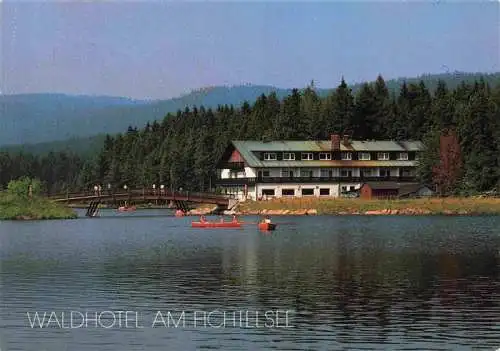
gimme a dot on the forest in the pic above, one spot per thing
(182, 150)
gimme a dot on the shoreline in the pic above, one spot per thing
(43, 209)
(375, 207)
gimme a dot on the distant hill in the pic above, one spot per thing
(84, 146)
(452, 80)
(35, 118)
(42, 118)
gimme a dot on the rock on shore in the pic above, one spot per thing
(303, 212)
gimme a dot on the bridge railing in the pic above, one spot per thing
(159, 193)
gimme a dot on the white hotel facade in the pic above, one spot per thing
(259, 170)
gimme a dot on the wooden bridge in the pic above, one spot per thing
(180, 199)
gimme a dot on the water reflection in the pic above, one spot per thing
(374, 283)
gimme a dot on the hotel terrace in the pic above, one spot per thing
(259, 170)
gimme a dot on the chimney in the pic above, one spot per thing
(345, 140)
(335, 138)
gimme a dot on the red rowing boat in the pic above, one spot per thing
(216, 224)
(127, 209)
(267, 226)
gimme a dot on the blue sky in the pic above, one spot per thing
(161, 50)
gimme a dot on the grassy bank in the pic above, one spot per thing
(432, 206)
(21, 208)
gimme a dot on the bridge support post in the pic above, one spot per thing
(93, 208)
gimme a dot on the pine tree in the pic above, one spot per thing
(339, 109)
(478, 143)
(313, 120)
(286, 125)
(365, 124)
(442, 109)
(382, 117)
(419, 100)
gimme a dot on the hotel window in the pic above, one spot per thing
(307, 156)
(265, 173)
(308, 192)
(347, 156)
(384, 156)
(288, 156)
(268, 192)
(288, 192)
(346, 173)
(406, 172)
(368, 172)
(364, 156)
(385, 172)
(325, 156)
(269, 156)
(285, 173)
(403, 156)
(417, 156)
(324, 192)
(324, 172)
(306, 173)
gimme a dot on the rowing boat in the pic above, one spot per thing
(126, 209)
(267, 226)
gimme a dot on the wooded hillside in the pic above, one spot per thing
(182, 150)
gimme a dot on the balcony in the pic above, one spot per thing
(232, 166)
(235, 181)
(306, 180)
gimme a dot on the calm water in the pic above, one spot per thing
(405, 283)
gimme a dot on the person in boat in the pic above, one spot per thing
(221, 219)
(267, 220)
(203, 219)
(235, 219)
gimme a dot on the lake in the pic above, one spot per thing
(147, 281)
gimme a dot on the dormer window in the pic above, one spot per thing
(364, 156)
(269, 156)
(288, 156)
(346, 156)
(403, 156)
(383, 156)
(307, 156)
(325, 156)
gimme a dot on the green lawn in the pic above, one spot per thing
(407, 206)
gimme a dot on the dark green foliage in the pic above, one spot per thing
(479, 140)
(182, 150)
(429, 159)
(55, 170)
(365, 114)
(338, 109)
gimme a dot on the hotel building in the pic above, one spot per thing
(258, 170)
